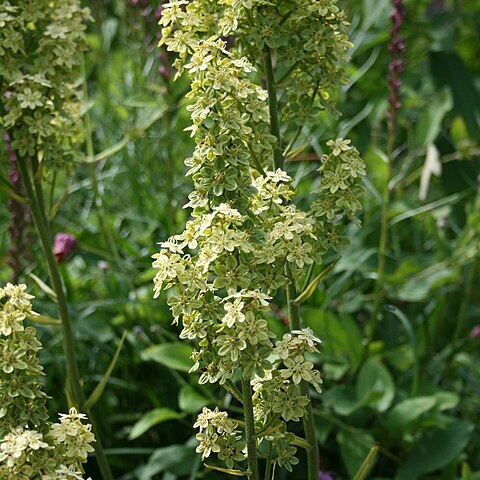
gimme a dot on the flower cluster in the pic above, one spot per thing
(30, 447)
(40, 44)
(247, 240)
(341, 191)
(219, 434)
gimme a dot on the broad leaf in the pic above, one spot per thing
(435, 449)
(405, 413)
(171, 355)
(354, 448)
(375, 387)
(152, 418)
(190, 400)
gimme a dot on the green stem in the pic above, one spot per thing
(313, 457)
(293, 308)
(273, 108)
(382, 251)
(467, 292)
(287, 73)
(268, 463)
(250, 429)
(73, 377)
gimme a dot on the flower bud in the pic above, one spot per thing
(475, 332)
(63, 245)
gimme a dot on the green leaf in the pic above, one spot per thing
(376, 163)
(341, 399)
(405, 413)
(449, 70)
(44, 287)
(466, 472)
(235, 473)
(152, 418)
(44, 320)
(312, 287)
(420, 286)
(97, 393)
(435, 449)
(446, 400)
(323, 427)
(177, 459)
(367, 464)
(171, 355)
(431, 120)
(341, 337)
(375, 387)
(376, 14)
(354, 448)
(413, 342)
(190, 400)
(413, 212)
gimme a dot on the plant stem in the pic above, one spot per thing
(293, 308)
(313, 457)
(382, 250)
(273, 108)
(268, 463)
(250, 429)
(74, 386)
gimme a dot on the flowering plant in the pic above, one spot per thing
(30, 447)
(40, 42)
(247, 239)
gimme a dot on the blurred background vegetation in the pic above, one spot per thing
(409, 381)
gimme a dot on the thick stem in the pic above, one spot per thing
(73, 377)
(268, 463)
(273, 108)
(313, 457)
(250, 429)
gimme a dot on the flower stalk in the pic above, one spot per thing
(251, 438)
(74, 386)
(273, 108)
(18, 215)
(313, 457)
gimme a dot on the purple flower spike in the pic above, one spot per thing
(397, 65)
(63, 245)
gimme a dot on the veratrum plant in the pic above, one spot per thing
(247, 241)
(40, 52)
(30, 447)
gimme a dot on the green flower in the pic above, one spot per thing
(299, 253)
(298, 369)
(231, 450)
(290, 404)
(231, 274)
